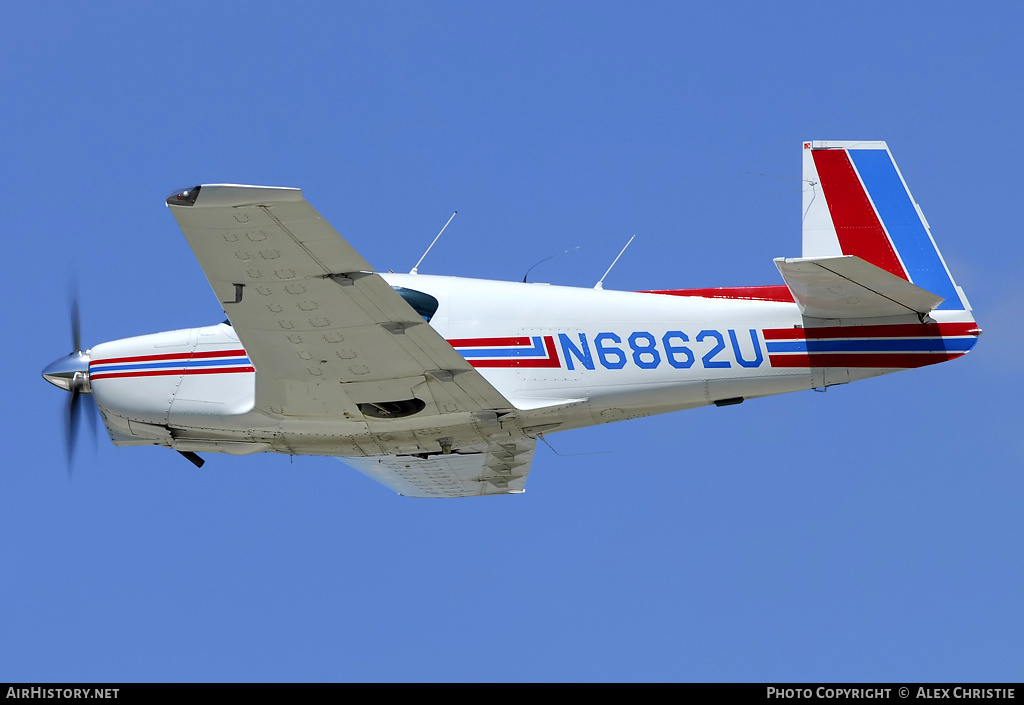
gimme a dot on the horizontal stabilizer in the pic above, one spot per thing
(849, 287)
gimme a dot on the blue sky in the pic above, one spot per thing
(870, 533)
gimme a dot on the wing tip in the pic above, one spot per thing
(220, 195)
(183, 197)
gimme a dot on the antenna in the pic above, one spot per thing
(415, 270)
(568, 455)
(600, 284)
(563, 252)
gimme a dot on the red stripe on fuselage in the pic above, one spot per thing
(905, 330)
(774, 292)
(171, 371)
(490, 342)
(857, 225)
(552, 359)
(880, 360)
(171, 356)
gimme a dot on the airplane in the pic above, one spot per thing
(440, 386)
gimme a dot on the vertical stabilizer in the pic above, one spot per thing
(855, 202)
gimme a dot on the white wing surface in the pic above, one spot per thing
(329, 338)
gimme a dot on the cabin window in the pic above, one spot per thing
(423, 304)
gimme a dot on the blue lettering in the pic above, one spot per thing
(647, 356)
(582, 355)
(672, 350)
(603, 353)
(709, 358)
(640, 350)
(758, 357)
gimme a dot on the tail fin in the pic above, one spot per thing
(857, 203)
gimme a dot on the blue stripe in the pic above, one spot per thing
(164, 365)
(905, 227)
(537, 350)
(913, 345)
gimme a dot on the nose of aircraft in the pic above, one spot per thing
(69, 372)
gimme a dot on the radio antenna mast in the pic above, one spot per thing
(415, 270)
(600, 284)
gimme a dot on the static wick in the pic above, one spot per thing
(416, 269)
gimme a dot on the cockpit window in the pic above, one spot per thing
(423, 304)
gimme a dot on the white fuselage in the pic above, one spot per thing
(564, 357)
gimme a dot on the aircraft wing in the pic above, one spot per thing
(493, 468)
(329, 338)
(322, 330)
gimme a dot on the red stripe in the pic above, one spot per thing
(906, 330)
(489, 342)
(884, 360)
(179, 371)
(859, 230)
(549, 343)
(552, 359)
(519, 362)
(170, 356)
(774, 292)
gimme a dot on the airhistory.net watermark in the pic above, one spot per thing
(62, 693)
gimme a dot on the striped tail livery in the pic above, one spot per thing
(869, 261)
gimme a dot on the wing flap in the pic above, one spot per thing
(496, 468)
(850, 287)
